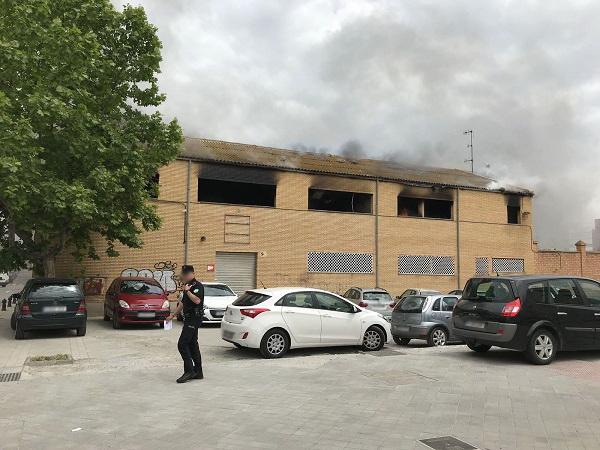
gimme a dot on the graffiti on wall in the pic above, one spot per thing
(163, 272)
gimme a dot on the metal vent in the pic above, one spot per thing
(11, 376)
(338, 262)
(425, 265)
(508, 265)
(482, 266)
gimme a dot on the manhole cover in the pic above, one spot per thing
(11, 376)
(446, 443)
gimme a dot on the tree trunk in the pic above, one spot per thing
(49, 266)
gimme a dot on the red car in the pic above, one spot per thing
(132, 300)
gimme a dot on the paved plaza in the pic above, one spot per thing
(120, 392)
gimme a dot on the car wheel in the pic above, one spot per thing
(115, 321)
(542, 347)
(401, 341)
(373, 340)
(275, 343)
(437, 337)
(479, 348)
(81, 331)
(13, 321)
(19, 333)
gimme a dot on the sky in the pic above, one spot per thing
(401, 79)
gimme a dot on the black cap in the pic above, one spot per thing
(186, 268)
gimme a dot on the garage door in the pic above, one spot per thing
(237, 270)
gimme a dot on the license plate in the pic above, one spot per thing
(54, 309)
(146, 315)
(475, 324)
(228, 334)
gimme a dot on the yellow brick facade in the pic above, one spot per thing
(282, 236)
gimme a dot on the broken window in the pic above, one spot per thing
(424, 207)
(152, 185)
(513, 209)
(236, 193)
(324, 200)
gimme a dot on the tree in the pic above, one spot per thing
(79, 132)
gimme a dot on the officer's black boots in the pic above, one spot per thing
(199, 375)
(187, 376)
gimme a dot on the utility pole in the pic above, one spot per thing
(470, 147)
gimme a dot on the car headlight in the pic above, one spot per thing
(166, 304)
(123, 304)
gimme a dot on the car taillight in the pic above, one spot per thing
(25, 309)
(511, 309)
(363, 304)
(81, 309)
(392, 305)
(253, 312)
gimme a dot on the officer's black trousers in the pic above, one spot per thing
(188, 347)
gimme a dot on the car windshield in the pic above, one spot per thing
(489, 290)
(137, 287)
(217, 290)
(381, 297)
(250, 299)
(412, 304)
(54, 290)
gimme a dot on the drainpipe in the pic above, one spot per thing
(458, 285)
(186, 225)
(377, 232)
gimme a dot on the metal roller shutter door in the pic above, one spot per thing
(237, 270)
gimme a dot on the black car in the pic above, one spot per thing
(538, 315)
(49, 304)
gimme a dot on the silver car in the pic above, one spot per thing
(373, 299)
(427, 317)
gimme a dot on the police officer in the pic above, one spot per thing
(192, 304)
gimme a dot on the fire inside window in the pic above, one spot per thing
(342, 201)
(424, 207)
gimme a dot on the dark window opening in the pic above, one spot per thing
(424, 207)
(514, 214)
(324, 200)
(152, 185)
(236, 193)
(409, 207)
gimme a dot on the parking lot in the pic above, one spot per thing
(120, 392)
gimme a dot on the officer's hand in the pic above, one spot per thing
(169, 318)
(186, 287)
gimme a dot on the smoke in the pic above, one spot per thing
(402, 80)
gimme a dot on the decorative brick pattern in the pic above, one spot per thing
(338, 262)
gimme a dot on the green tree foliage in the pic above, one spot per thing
(79, 132)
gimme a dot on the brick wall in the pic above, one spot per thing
(579, 262)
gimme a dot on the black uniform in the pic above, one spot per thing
(192, 319)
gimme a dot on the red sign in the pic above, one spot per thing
(210, 267)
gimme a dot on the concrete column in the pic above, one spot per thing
(580, 246)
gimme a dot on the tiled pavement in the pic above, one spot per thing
(121, 393)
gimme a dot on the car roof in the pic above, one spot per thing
(284, 290)
(530, 277)
(214, 283)
(375, 289)
(43, 280)
(138, 279)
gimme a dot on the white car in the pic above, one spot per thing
(277, 319)
(4, 279)
(217, 296)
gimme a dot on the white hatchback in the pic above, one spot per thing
(217, 296)
(277, 319)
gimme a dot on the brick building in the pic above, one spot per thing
(254, 216)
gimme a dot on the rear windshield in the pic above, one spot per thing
(217, 290)
(140, 287)
(412, 304)
(250, 299)
(489, 290)
(382, 297)
(54, 290)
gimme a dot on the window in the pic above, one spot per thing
(152, 185)
(250, 299)
(325, 200)
(408, 292)
(217, 290)
(54, 290)
(436, 305)
(563, 292)
(377, 297)
(448, 303)
(339, 262)
(332, 303)
(490, 290)
(412, 304)
(591, 291)
(299, 300)
(424, 207)
(513, 209)
(425, 265)
(236, 192)
(140, 287)
(508, 265)
(536, 292)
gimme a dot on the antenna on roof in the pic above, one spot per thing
(470, 147)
